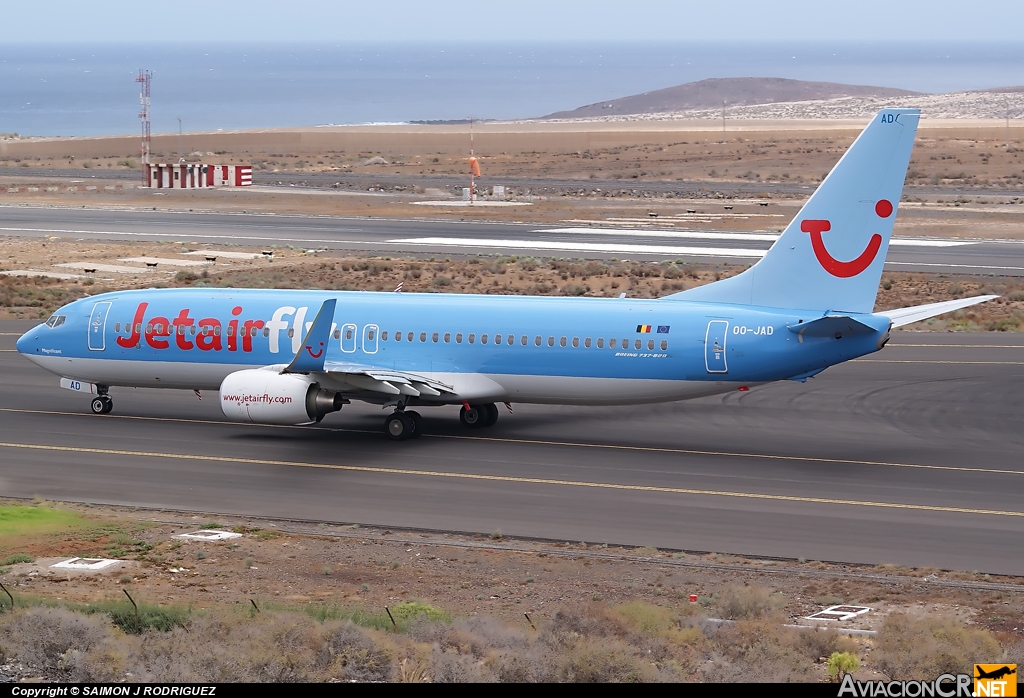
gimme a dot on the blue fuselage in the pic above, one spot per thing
(595, 349)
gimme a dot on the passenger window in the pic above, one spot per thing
(117, 326)
(433, 338)
(497, 339)
(192, 330)
(408, 337)
(561, 342)
(337, 334)
(458, 338)
(266, 332)
(637, 344)
(625, 344)
(216, 331)
(575, 342)
(551, 341)
(483, 339)
(398, 336)
(149, 328)
(664, 345)
(231, 330)
(138, 328)
(423, 336)
(650, 345)
(384, 336)
(586, 342)
(600, 342)
(523, 340)
(291, 331)
(348, 334)
(537, 340)
(612, 342)
(447, 337)
(472, 338)
(369, 335)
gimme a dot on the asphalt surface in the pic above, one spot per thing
(467, 238)
(909, 457)
(360, 180)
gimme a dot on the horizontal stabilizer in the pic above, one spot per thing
(313, 352)
(831, 326)
(905, 316)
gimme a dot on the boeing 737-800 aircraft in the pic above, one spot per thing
(291, 357)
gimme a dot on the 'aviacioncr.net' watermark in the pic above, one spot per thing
(989, 681)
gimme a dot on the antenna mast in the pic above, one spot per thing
(145, 78)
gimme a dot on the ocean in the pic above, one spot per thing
(85, 90)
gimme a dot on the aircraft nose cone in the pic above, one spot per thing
(27, 342)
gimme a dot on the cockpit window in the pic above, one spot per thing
(56, 320)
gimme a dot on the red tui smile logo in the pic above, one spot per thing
(845, 270)
(318, 354)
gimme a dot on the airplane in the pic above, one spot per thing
(294, 356)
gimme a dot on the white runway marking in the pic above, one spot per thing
(705, 235)
(582, 247)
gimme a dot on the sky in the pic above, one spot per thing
(388, 21)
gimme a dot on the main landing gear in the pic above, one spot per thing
(102, 404)
(403, 424)
(478, 416)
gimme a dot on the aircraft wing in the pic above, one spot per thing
(905, 316)
(386, 381)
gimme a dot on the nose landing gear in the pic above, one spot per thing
(102, 404)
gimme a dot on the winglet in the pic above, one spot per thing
(311, 355)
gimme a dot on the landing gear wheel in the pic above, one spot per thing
(399, 427)
(102, 405)
(417, 423)
(473, 418)
(490, 411)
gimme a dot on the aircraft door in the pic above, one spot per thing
(98, 326)
(348, 338)
(370, 333)
(714, 346)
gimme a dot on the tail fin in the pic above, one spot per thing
(831, 255)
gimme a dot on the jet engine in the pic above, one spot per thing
(266, 396)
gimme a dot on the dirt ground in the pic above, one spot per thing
(26, 297)
(605, 183)
(292, 566)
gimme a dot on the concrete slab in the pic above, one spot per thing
(36, 272)
(210, 535)
(225, 255)
(167, 261)
(108, 268)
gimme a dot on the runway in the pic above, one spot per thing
(910, 457)
(475, 238)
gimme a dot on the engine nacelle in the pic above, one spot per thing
(266, 396)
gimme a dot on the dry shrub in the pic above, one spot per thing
(821, 643)
(909, 648)
(745, 602)
(270, 648)
(648, 619)
(452, 667)
(758, 650)
(602, 661)
(355, 656)
(64, 644)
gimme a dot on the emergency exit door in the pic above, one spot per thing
(714, 346)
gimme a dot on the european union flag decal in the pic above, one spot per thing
(662, 329)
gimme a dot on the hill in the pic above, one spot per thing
(711, 93)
